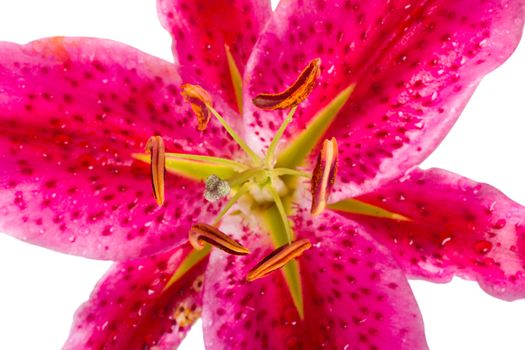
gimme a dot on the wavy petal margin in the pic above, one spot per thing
(456, 226)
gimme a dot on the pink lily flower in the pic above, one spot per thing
(77, 114)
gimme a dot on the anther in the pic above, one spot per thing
(323, 176)
(199, 100)
(294, 94)
(155, 147)
(216, 188)
(204, 233)
(278, 258)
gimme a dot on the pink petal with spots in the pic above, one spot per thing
(415, 63)
(200, 30)
(355, 296)
(458, 227)
(72, 113)
(129, 310)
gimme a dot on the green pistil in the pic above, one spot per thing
(255, 158)
(278, 135)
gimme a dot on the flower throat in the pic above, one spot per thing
(268, 186)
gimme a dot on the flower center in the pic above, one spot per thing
(261, 187)
(259, 183)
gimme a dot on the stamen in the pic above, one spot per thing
(323, 176)
(155, 147)
(199, 99)
(234, 135)
(278, 258)
(216, 188)
(204, 233)
(271, 150)
(296, 93)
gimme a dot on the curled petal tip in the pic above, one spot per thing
(323, 176)
(199, 99)
(296, 93)
(278, 258)
(155, 147)
(204, 233)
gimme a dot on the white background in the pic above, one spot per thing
(41, 289)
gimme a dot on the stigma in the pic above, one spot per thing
(216, 188)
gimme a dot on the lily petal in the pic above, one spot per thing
(415, 65)
(355, 296)
(455, 226)
(203, 30)
(130, 309)
(72, 113)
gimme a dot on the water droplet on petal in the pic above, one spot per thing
(500, 223)
(445, 239)
(482, 247)
(488, 261)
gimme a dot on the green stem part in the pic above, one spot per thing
(246, 175)
(230, 203)
(282, 213)
(293, 172)
(278, 135)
